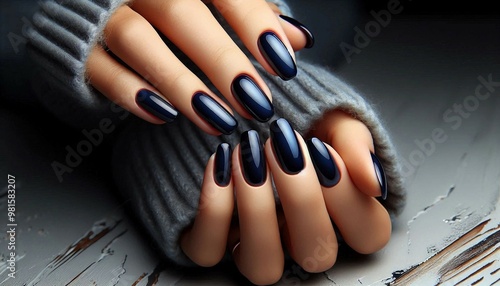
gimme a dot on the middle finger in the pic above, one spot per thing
(312, 240)
(190, 25)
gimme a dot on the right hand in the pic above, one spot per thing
(141, 73)
(309, 202)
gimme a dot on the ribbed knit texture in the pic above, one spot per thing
(159, 169)
(61, 38)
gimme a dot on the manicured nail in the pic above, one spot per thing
(379, 171)
(156, 105)
(255, 101)
(214, 113)
(304, 29)
(286, 147)
(222, 165)
(324, 164)
(252, 158)
(277, 55)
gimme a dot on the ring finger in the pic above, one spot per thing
(259, 255)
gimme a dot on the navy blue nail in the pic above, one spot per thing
(286, 147)
(156, 105)
(304, 29)
(277, 55)
(214, 113)
(379, 171)
(255, 101)
(252, 158)
(222, 165)
(326, 169)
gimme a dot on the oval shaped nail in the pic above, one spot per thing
(303, 28)
(210, 110)
(156, 105)
(326, 169)
(379, 171)
(252, 158)
(286, 147)
(222, 165)
(277, 55)
(251, 96)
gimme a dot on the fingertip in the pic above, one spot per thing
(367, 174)
(299, 36)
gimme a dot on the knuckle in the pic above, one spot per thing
(175, 10)
(226, 55)
(125, 28)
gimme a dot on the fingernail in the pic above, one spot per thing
(304, 29)
(214, 113)
(255, 101)
(324, 164)
(379, 171)
(252, 158)
(286, 147)
(222, 165)
(156, 105)
(277, 55)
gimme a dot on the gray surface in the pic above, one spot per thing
(414, 71)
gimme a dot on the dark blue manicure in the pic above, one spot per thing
(156, 105)
(222, 165)
(379, 171)
(214, 113)
(326, 169)
(304, 29)
(252, 159)
(255, 101)
(277, 55)
(286, 147)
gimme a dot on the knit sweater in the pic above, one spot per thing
(159, 168)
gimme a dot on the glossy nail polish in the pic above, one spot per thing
(222, 165)
(304, 29)
(156, 105)
(326, 169)
(286, 147)
(379, 171)
(252, 158)
(277, 55)
(255, 101)
(210, 110)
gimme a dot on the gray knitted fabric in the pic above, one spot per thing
(159, 169)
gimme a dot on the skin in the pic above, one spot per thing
(301, 225)
(131, 36)
(262, 231)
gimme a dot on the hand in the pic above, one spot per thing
(316, 184)
(146, 77)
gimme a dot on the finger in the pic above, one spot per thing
(312, 240)
(362, 221)
(205, 243)
(297, 33)
(353, 142)
(259, 255)
(129, 36)
(102, 70)
(264, 37)
(206, 43)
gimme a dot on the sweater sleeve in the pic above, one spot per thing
(60, 40)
